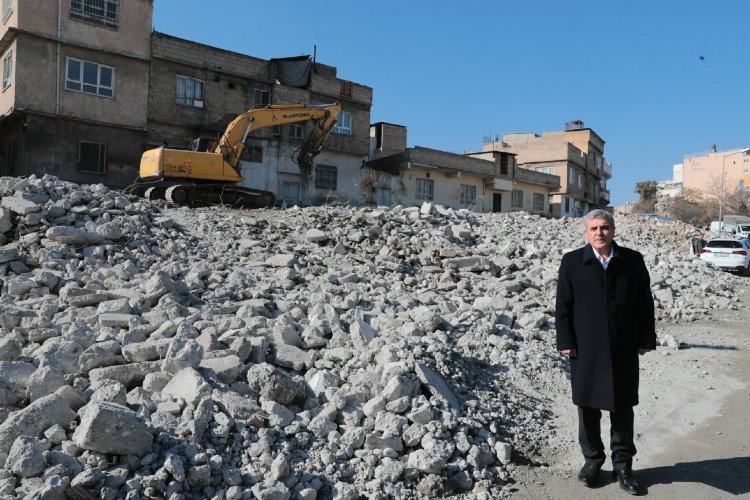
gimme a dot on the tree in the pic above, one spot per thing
(647, 192)
(689, 207)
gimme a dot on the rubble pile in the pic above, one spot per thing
(152, 351)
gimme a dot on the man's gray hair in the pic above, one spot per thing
(599, 214)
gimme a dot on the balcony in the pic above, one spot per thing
(607, 169)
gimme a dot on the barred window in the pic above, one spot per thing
(92, 157)
(190, 92)
(538, 202)
(89, 77)
(101, 12)
(252, 153)
(516, 199)
(326, 177)
(468, 195)
(262, 97)
(503, 164)
(425, 189)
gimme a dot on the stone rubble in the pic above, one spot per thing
(332, 352)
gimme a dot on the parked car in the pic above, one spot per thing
(728, 254)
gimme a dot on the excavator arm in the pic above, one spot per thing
(232, 142)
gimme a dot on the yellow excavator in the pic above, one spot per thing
(188, 177)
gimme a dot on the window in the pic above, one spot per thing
(101, 12)
(425, 189)
(580, 180)
(89, 77)
(571, 176)
(262, 97)
(516, 199)
(296, 131)
(276, 130)
(546, 170)
(567, 204)
(343, 124)
(7, 70)
(290, 192)
(252, 153)
(468, 195)
(503, 164)
(7, 9)
(326, 177)
(190, 92)
(92, 157)
(538, 202)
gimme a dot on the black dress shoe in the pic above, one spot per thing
(588, 474)
(628, 483)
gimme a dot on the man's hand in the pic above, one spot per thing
(644, 351)
(571, 353)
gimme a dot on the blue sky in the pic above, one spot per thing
(456, 71)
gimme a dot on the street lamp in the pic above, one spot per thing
(721, 198)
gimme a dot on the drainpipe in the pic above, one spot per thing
(57, 65)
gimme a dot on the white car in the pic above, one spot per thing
(729, 254)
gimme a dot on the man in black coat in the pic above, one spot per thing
(604, 319)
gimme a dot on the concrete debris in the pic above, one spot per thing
(311, 353)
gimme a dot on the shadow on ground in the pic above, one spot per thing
(726, 474)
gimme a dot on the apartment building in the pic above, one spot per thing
(575, 155)
(196, 90)
(75, 88)
(482, 182)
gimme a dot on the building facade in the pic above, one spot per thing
(705, 172)
(196, 90)
(575, 155)
(75, 88)
(482, 182)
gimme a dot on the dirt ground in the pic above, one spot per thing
(692, 424)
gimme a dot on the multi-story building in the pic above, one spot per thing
(575, 155)
(482, 182)
(196, 90)
(75, 88)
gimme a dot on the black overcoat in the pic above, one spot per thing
(606, 316)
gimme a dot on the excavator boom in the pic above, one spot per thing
(232, 142)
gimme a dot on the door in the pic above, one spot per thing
(497, 202)
(383, 197)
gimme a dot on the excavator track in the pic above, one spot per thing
(218, 194)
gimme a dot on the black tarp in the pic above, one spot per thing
(294, 71)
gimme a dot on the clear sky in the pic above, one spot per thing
(656, 79)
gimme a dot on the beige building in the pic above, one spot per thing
(482, 182)
(703, 171)
(575, 155)
(75, 88)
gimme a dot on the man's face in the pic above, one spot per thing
(599, 234)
